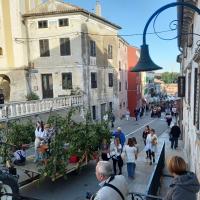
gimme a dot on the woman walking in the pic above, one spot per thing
(116, 156)
(151, 145)
(185, 184)
(144, 136)
(130, 152)
(105, 150)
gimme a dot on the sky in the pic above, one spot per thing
(132, 16)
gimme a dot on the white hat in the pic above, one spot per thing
(119, 129)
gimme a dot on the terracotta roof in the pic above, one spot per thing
(52, 7)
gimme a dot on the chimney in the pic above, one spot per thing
(98, 8)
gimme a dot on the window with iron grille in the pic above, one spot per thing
(65, 47)
(93, 80)
(44, 48)
(189, 87)
(120, 67)
(110, 106)
(63, 22)
(92, 48)
(1, 51)
(43, 24)
(110, 79)
(110, 52)
(67, 81)
(196, 98)
(120, 86)
(94, 117)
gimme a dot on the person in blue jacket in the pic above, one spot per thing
(119, 134)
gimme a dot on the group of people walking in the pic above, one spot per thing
(120, 151)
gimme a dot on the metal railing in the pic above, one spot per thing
(140, 196)
(155, 179)
(16, 196)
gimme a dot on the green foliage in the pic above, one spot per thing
(81, 138)
(19, 133)
(169, 77)
(32, 96)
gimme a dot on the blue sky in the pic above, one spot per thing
(132, 16)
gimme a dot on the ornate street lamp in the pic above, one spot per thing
(145, 62)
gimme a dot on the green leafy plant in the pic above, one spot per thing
(82, 139)
(32, 96)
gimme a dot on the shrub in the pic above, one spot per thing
(32, 96)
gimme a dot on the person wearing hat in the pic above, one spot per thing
(119, 134)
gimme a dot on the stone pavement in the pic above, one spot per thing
(144, 170)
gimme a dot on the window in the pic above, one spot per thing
(189, 87)
(120, 86)
(109, 51)
(110, 106)
(126, 86)
(110, 79)
(124, 104)
(65, 47)
(196, 99)
(120, 67)
(67, 81)
(44, 48)
(93, 80)
(43, 24)
(1, 51)
(92, 48)
(94, 117)
(63, 22)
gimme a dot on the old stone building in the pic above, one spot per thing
(56, 49)
(190, 67)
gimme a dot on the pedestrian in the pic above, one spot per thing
(40, 135)
(168, 119)
(144, 136)
(127, 114)
(112, 119)
(116, 156)
(19, 156)
(185, 184)
(119, 134)
(112, 187)
(151, 145)
(130, 153)
(136, 113)
(135, 144)
(154, 143)
(174, 135)
(105, 150)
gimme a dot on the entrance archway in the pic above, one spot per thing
(5, 86)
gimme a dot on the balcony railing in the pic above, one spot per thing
(19, 109)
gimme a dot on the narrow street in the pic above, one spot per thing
(73, 186)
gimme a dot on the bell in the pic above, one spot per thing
(145, 63)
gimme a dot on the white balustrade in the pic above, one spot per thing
(18, 109)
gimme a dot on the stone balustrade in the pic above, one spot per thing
(17, 109)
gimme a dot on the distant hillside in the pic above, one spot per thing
(168, 77)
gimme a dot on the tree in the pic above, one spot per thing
(169, 77)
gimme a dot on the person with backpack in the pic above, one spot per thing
(112, 187)
(20, 156)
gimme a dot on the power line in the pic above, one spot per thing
(105, 35)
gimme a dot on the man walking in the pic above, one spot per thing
(112, 187)
(119, 134)
(174, 135)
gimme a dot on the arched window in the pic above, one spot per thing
(1, 51)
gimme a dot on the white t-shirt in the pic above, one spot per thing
(17, 156)
(40, 134)
(130, 153)
(116, 151)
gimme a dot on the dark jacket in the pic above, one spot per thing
(183, 187)
(175, 131)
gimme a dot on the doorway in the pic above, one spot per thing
(47, 86)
